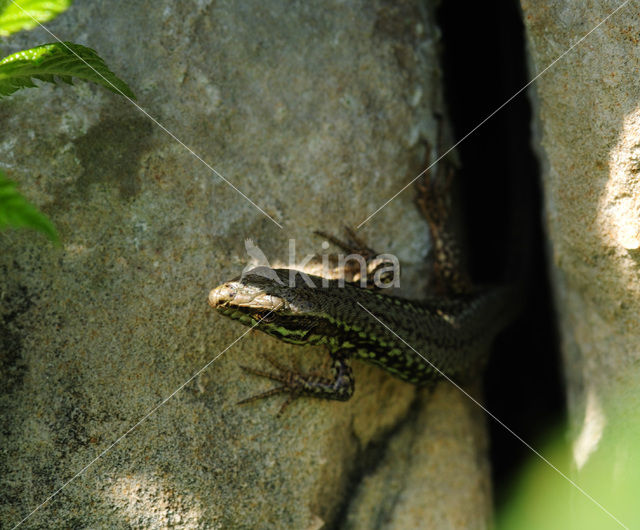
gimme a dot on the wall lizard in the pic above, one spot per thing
(453, 327)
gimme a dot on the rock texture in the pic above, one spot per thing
(588, 106)
(317, 114)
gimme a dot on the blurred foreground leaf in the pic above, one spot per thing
(59, 60)
(25, 14)
(17, 212)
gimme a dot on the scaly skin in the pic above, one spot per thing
(453, 333)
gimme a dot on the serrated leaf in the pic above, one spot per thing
(17, 212)
(60, 59)
(25, 14)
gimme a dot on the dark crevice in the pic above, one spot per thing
(484, 64)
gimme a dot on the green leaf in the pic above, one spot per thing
(63, 60)
(16, 211)
(27, 13)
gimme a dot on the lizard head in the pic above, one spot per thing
(278, 302)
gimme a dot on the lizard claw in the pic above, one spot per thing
(355, 245)
(292, 383)
(295, 383)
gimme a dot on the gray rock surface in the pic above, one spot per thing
(434, 473)
(588, 107)
(317, 115)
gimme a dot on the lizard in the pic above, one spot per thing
(446, 335)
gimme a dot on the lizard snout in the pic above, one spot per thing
(221, 295)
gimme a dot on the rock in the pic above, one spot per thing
(589, 132)
(119, 383)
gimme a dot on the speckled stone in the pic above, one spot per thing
(588, 133)
(318, 115)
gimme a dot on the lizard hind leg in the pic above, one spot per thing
(339, 386)
(433, 199)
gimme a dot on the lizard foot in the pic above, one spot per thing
(296, 384)
(351, 268)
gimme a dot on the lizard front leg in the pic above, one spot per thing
(338, 385)
(356, 246)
